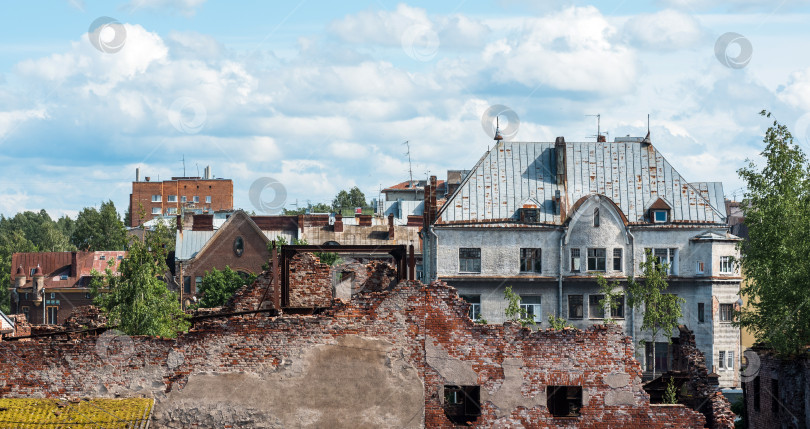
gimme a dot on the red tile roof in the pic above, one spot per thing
(405, 186)
(54, 265)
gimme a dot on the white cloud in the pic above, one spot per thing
(664, 30)
(571, 50)
(797, 90)
(185, 7)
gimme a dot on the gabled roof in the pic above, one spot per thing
(715, 236)
(410, 186)
(222, 230)
(55, 265)
(631, 174)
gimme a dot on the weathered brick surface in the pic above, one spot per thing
(310, 282)
(427, 328)
(787, 407)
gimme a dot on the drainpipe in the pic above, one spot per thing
(560, 277)
(633, 275)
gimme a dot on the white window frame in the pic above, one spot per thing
(721, 359)
(172, 210)
(533, 308)
(183, 199)
(157, 199)
(700, 267)
(730, 360)
(208, 199)
(672, 258)
(172, 198)
(155, 210)
(576, 260)
(726, 265)
(658, 212)
(196, 199)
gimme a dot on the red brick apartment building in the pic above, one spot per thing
(180, 194)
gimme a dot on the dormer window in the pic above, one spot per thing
(660, 216)
(530, 215)
(659, 211)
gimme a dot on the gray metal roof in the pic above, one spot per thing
(188, 243)
(633, 175)
(5, 321)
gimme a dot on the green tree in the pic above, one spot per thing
(613, 294)
(774, 257)
(137, 300)
(661, 310)
(349, 200)
(514, 312)
(99, 229)
(219, 286)
(558, 323)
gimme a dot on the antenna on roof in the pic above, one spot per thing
(498, 135)
(598, 125)
(184, 164)
(410, 167)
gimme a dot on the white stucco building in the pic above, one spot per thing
(547, 218)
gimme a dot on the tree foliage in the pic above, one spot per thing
(349, 200)
(514, 312)
(661, 310)
(219, 286)
(99, 229)
(137, 300)
(612, 293)
(558, 323)
(776, 206)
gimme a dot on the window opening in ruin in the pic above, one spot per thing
(564, 401)
(475, 306)
(661, 357)
(462, 404)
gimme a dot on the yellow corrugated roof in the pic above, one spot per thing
(85, 413)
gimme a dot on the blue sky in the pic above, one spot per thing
(320, 96)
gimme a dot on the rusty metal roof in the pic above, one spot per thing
(633, 175)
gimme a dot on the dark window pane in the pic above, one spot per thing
(575, 310)
(595, 309)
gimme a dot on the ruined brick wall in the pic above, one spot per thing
(381, 360)
(310, 282)
(702, 393)
(789, 405)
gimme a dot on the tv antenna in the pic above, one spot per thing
(410, 166)
(598, 125)
(183, 159)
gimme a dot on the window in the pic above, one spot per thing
(700, 269)
(596, 310)
(660, 358)
(775, 396)
(208, 199)
(725, 265)
(196, 199)
(475, 306)
(87, 296)
(183, 199)
(730, 360)
(596, 216)
(63, 277)
(172, 198)
(575, 260)
(102, 257)
(27, 313)
(33, 270)
(197, 283)
(722, 360)
(596, 259)
(155, 210)
(660, 216)
(156, 198)
(53, 295)
(726, 312)
(757, 393)
(187, 285)
(462, 404)
(530, 261)
(575, 310)
(52, 313)
(701, 312)
(665, 256)
(564, 401)
(531, 303)
(617, 259)
(172, 210)
(120, 257)
(469, 260)
(618, 312)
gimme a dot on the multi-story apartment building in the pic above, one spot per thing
(180, 194)
(47, 286)
(548, 218)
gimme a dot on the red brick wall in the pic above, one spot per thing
(790, 401)
(220, 191)
(219, 252)
(310, 282)
(406, 317)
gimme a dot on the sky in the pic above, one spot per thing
(297, 100)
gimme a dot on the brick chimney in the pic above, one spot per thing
(338, 222)
(601, 139)
(431, 207)
(391, 227)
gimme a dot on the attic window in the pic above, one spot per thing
(596, 216)
(462, 404)
(63, 277)
(530, 215)
(660, 216)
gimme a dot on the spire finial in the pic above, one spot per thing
(498, 135)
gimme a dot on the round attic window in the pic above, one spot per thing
(238, 246)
